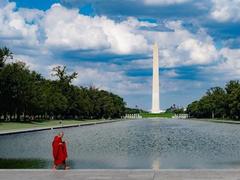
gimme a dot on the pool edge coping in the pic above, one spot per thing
(9, 132)
(122, 170)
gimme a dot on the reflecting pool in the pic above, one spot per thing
(138, 144)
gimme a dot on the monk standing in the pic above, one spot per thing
(59, 151)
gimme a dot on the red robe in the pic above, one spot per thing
(59, 151)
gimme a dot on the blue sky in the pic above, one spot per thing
(109, 43)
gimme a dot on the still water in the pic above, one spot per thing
(138, 144)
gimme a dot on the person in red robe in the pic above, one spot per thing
(59, 150)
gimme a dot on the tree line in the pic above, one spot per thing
(175, 110)
(26, 95)
(218, 103)
(134, 111)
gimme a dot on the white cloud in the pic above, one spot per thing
(164, 2)
(31, 15)
(230, 66)
(72, 30)
(14, 27)
(196, 51)
(170, 74)
(180, 47)
(227, 68)
(135, 23)
(225, 10)
(66, 29)
(114, 81)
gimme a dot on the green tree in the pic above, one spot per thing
(233, 99)
(5, 54)
(61, 73)
(217, 99)
(26, 95)
(212, 104)
(193, 109)
(16, 84)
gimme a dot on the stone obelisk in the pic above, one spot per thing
(155, 81)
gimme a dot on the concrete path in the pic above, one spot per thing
(120, 175)
(217, 121)
(6, 132)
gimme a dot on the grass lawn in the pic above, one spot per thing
(21, 164)
(160, 115)
(38, 124)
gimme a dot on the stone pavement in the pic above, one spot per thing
(120, 174)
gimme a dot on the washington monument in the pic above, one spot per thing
(155, 81)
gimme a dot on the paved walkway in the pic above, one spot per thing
(120, 175)
(217, 121)
(6, 132)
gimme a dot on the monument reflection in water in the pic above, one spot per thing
(138, 144)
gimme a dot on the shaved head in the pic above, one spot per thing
(61, 134)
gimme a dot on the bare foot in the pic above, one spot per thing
(67, 167)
